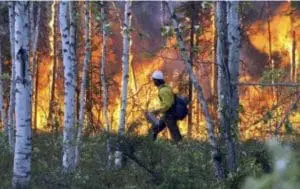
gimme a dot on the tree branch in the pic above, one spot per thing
(269, 84)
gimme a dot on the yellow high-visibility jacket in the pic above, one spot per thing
(166, 98)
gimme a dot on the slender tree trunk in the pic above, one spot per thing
(12, 93)
(294, 47)
(36, 94)
(23, 148)
(2, 108)
(293, 72)
(190, 118)
(215, 153)
(233, 65)
(72, 40)
(271, 62)
(69, 85)
(103, 80)
(52, 96)
(228, 60)
(89, 96)
(125, 66)
(34, 42)
(84, 81)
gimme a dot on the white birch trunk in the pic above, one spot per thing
(69, 99)
(12, 93)
(72, 48)
(83, 82)
(125, 75)
(215, 154)
(2, 108)
(23, 148)
(103, 80)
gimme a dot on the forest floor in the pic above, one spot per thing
(183, 165)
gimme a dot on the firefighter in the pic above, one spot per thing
(166, 109)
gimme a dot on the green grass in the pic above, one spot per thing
(184, 165)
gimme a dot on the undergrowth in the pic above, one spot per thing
(183, 165)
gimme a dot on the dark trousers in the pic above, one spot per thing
(168, 120)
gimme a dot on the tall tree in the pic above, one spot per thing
(86, 63)
(228, 47)
(23, 148)
(72, 40)
(54, 64)
(69, 87)
(192, 45)
(125, 66)
(34, 35)
(215, 152)
(12, 93)
(293, 65)
(105, 33)
(2, 108)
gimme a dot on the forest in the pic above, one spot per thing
(150, 94)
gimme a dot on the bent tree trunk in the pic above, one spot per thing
(12, 93)
(103, 78)
(125, 66)
(69, 85)
(215, 153)
(22, 156)
(83, 82)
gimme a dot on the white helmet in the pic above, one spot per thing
(158, 75)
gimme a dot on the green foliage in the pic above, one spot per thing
(5, 76)
(286, 174)
(288, 127)
(267, 116)
(5, 162)
(296, 5)
(273, 75)
(167, 31)
(183, 165)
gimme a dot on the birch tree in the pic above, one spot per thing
(23, 148)
(11, 108)
(72, 47)
(215, 153)
(86, 62)
(228, 43)
(125, 76)
(69, 87)
(105, 28)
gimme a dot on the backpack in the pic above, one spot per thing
(180, 108)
